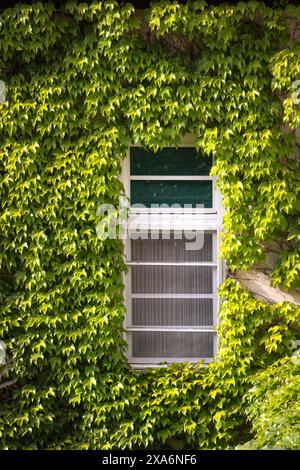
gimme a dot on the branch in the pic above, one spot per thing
(8, 383)
(258, 284)
(4, 274)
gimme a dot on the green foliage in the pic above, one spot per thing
(273, 406)
(81, 85)
(201, 406)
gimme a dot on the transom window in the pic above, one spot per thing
(171, 176)
(171, 252)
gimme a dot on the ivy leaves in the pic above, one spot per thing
(81, 85)
(272, 405)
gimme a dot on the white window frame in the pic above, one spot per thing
(187, 141)
(207, 219)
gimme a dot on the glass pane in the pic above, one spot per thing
(172, 312)
(172, 344)
(171, 192)
(172, 279)
(171, 250)
(169, 161)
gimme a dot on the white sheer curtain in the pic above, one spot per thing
(170, 250)
(171, 312)
(173, 345)
(171, 280)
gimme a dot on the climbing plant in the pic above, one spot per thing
(273, 406)
(81, 84)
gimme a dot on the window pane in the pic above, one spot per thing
(169, 161)
(170, 250)
(172, 312)
(172, 344)
(171, 192)
(172, 279)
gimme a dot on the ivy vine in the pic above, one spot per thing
(81, 85)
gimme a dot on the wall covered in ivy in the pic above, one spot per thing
(81, 84)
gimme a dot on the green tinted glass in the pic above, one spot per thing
(171, 192)
(169, 161)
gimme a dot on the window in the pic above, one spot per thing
(171, 287)
(172, 176)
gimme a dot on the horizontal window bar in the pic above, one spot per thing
(190, 329)
(172, 178)
(172, 296)
(158, 263)
(171, 210)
